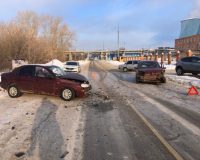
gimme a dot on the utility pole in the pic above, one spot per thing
(118, 41)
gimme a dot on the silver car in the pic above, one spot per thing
(188, 65)
(72, 66)
(129, 65)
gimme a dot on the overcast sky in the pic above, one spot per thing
(142, 23)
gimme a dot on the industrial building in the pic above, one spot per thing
(189, 37)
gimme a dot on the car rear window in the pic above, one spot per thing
(72, 63)
(149, 65)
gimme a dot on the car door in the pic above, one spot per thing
(135, 64)
(25, 79)
(45, 81)
(196, 64)
(129, 65)
(187, 63)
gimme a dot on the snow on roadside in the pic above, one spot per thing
(185, 80)
(116, 63)
(168, 66)
(56, 63)
(83, 62)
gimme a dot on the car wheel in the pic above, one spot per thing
(179, 71)
(67, 94)
(13, 91)
(125, 69)
(194, 74)
(163, 80)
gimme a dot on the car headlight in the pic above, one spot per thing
(84, 85)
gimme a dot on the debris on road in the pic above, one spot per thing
(64, 154)
(19, 154)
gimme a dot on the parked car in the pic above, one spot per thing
(129, 65)
(150, 71)
(72, 66)
(42, 79)
(188, 65)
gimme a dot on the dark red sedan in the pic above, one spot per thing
(150, 71)
(41, 79)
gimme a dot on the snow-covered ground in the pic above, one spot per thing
(168, 66)
(0, 76)
(185, 80)
(83, 62)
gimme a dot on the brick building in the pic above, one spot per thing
(190, 36)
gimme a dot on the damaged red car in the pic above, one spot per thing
(42, 79)
(150, 71)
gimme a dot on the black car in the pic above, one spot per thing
(188, 65)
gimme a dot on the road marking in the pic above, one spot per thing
(176, 155)
(194, 129)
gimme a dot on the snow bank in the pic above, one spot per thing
(83, 62)
(0, 76)
(185, 80)
(116, 63)
(168, 66)
(56, 63)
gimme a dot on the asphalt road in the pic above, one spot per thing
(114, 131)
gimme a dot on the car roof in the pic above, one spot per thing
(72, 61)
(132, 60)
(148, 61)
(37, 65)
(191, 57)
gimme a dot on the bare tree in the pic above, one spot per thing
(36, 38)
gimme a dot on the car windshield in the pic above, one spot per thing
(149, 65)
(57, 70)
(72, 63)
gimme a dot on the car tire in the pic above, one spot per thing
(14, 92)
(67, 94)
(163, 80)
(179, 71)
(125, 69)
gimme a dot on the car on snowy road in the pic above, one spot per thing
(44, 79)
(129, 65)
(72, 66)
(188, 65)
(150, 71)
